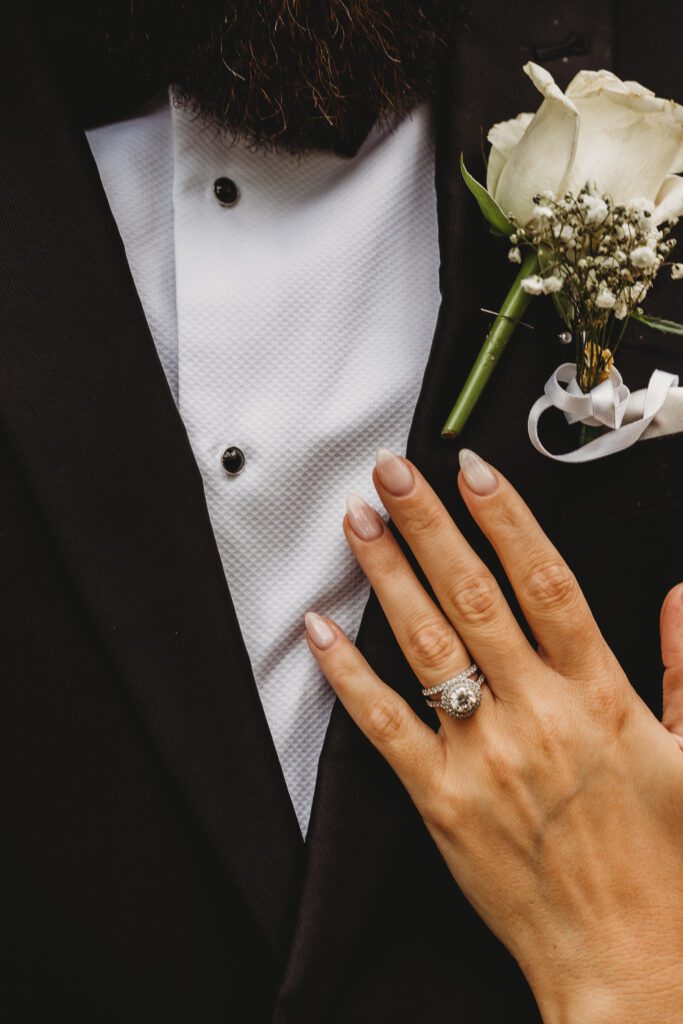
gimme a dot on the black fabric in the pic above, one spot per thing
(96, 89)
(152, 868)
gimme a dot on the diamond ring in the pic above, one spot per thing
(459, 696)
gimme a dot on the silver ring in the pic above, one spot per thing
(459, 696)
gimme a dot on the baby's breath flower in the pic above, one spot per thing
(551, 284)
(626, 231)
(643, 257)
(643, 208)
(637, 293)
(602, 256)
(542, 211)
(595, 207)
(533, 285)
(605, 299)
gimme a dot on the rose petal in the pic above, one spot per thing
(543, 156)
(503, 137)
(586, 83)
(625, 149)
(669, 200)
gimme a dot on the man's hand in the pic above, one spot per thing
(558, 806)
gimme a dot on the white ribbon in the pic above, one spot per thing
(606, 405)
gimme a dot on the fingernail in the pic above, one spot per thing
(479, 476)
(364, 521)
(320, 633)
(394, 472)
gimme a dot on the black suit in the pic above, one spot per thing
(153, 869)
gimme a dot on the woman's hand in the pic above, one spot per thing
(558, 806)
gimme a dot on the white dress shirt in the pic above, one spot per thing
(294, 324)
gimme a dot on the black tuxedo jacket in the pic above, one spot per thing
(152, 868)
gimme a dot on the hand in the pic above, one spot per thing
(558, 806)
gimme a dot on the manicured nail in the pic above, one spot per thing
(320, 633)
(479, 476)
(364, 521)
(394, 472)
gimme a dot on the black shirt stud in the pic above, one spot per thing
(233, 460)
(226, 191)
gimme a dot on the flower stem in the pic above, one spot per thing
(587, 434)
(501, 330)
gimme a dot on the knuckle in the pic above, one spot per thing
(476, 600)
(497, 760)
(550, 726)
(346, 675)
(504, 764)
(551, 584)
(506, 518)
(385, 559)
(444, 808)
(387, 720)
(432, 644)
(421, 519)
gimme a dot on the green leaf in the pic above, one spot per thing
(487, 204)
(657, 324)
(564, 308)
(482, 143)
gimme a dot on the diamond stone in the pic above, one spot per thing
(461, 699)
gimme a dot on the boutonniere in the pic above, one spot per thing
(586, 190)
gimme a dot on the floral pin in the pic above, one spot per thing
(586, 190)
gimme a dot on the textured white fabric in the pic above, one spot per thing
(304, 319)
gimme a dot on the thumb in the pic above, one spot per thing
(671, 630)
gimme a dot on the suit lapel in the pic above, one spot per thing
(359, 808)
(85, 403)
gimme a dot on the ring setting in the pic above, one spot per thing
(459, 696)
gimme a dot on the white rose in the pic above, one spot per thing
(617, 134)
(677, 271)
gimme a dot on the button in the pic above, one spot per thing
(233, 460)
(226, 191)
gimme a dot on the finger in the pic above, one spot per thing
(426, 637)
(671, 629)
(413, 750)
(465, 589)
(546, 588)
(432, 647)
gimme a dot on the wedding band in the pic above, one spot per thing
(459, 696)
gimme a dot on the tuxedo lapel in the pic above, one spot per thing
(85, 404)
(360, 809)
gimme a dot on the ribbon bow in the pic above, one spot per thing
(606, 405)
